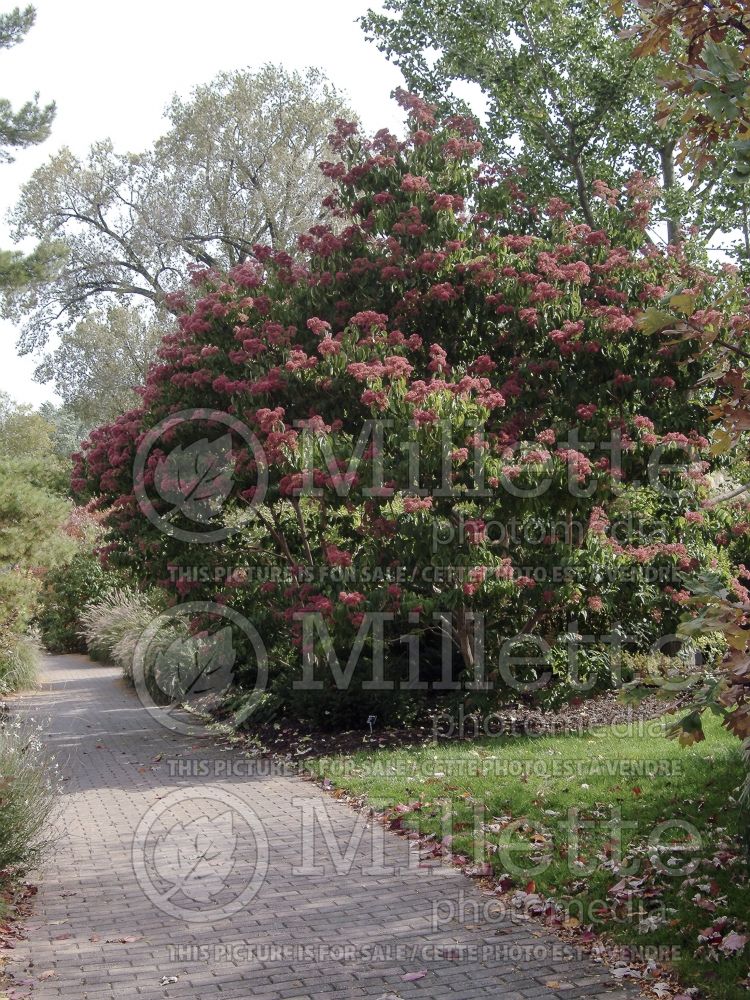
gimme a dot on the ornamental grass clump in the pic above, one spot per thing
(30, 784)
(112, 624)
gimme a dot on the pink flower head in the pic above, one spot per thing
(443, 292)
(586, 411)
(443, 203)
(318, 326)
(423, 112)
(557, 208)
(375, 398)
(411, 183)
(351, 599)
(422, 417)
(397, 367)
(368, 319)
(337, 557)
(328, 346)
(413, 505)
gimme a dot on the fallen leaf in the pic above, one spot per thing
(733, 943)
(625, 971)
(505, 882)
(411, 976)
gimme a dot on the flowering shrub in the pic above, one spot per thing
(460, 427)
(714, 611)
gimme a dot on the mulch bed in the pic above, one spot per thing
(291, 740)
(16, 903)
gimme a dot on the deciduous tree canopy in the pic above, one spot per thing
(566, 101)
(238, 166)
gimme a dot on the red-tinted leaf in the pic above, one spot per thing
(411, 976)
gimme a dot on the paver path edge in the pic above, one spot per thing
(129, 904)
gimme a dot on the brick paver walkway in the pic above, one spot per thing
(180, 872)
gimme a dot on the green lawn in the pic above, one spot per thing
(557, 814)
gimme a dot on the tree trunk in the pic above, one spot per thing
(583, 197)
(666, 155)
(465, 638)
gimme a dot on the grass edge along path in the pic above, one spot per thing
(649, 855)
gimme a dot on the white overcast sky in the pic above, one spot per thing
(112, 70)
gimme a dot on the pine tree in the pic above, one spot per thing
(31, 123)
(25, 126)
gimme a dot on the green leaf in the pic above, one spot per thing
(683, 303)
(687, 730)
(721, 59)
(654, 320)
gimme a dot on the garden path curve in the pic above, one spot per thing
(176, 873)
